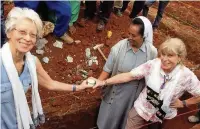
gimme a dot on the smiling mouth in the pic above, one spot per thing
(26, 44)
(166, 64)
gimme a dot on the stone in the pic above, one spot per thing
(96, 62)
(41, 43)
(40, 52)
(90, 62)
(83, 72)
(93, 58)
(77, 41)
(58, 44)
(45, 60)
(84, 76)
(88, 53)
(69, 59)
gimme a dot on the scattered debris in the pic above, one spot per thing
(41, 43)
(83, 72)
(40, 52)
(58, 44)
(84, 76)
(46, 60)
(92, 60)
(96, 62)
(69, 59)
(88, 53)
(77, 41)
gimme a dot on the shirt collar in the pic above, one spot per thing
(142, 48)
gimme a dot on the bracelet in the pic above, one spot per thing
(73, 88)
(184, 103)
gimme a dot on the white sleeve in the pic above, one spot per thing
(142, 70)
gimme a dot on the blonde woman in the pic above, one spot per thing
(166, 80)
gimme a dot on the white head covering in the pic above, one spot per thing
(148, 31)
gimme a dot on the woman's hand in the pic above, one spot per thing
(177, 104)
(84, 85)
(98, 83)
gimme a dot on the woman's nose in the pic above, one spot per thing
(27, 37)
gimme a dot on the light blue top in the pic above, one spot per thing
(8, 115)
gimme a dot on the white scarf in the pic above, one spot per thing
(148, 31)
(23, 115)
(155, 83)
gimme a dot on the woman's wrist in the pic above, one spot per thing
(79, 87)
(104, 83)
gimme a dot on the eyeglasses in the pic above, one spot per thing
(24, 33)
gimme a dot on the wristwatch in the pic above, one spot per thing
(73, 88)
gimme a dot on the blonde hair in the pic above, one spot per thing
(173, 46)
(17, 14)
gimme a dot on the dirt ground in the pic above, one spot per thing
(79, 110)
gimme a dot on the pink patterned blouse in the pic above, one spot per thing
(187, 81)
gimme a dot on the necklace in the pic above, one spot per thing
(166, 79)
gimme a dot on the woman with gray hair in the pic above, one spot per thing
(166, 80)
(20, 70)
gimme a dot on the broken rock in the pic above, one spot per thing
(41, 43)
(77, 41)
(58, 44)
(46, 60)
(40, 52)
(69, 59)
(88, 53)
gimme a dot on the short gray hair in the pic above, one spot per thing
(17, 14)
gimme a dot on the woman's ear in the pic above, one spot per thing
(8, 34)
